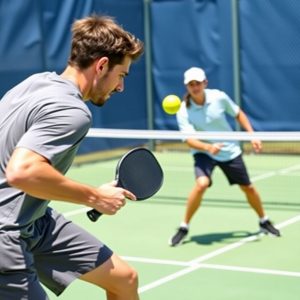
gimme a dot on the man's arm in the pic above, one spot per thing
(33, 174)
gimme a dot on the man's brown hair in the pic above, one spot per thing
(99, 36)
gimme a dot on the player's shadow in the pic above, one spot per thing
(219, 237)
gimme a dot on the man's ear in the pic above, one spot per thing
(102, 64)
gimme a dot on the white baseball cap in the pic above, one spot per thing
(194, 73)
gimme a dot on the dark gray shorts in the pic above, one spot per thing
(54, 251)
(235, 170)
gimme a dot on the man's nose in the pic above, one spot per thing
(120, 87)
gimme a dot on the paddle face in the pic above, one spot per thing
(139, 172)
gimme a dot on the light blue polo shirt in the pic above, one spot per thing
(211, 116)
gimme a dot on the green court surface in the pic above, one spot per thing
(224, 256)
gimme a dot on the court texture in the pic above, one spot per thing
(224, 256)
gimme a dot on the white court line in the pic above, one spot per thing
(195, 264)
(168, 278)
(263, 176)
(283, 171)
(212, 266)
(251, 270)
(156, 261)
(290, 169)
(224, 249)
(288, 222)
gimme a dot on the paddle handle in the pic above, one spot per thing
(94, 215)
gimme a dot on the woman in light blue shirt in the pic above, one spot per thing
(206, 110)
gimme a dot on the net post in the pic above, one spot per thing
(236, 54)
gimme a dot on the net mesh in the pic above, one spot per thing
(273, 142)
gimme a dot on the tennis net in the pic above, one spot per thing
(273, 142)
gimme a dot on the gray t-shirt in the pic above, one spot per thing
(46, 114)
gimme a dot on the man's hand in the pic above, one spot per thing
(111, 198)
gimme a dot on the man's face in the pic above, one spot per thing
(108, 82)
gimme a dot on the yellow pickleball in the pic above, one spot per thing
(171, 104)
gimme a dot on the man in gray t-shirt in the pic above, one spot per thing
(43, 121)
(34, 113)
